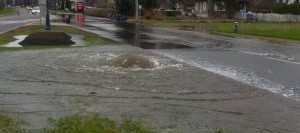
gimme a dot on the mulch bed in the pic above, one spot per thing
(47, 39)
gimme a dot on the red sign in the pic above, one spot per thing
(80, 6)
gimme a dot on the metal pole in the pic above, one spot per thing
(55, 4)
(5, 4)
(47, 26)
(136, 10)
(65, 5)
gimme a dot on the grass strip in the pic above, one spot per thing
(95, 124)
(6, 125)
(7, 11)
(80, 124)
(89, 38)
(281, 30)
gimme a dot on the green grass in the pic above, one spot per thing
(89, 38)
(80, 124)
(94, 124)
(7, 11)
(6, 124)
(266, 29)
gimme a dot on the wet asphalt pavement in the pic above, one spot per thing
(265, 64)
(13, 21)
(173, 97)
(179, 95)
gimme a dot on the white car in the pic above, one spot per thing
(35, 10)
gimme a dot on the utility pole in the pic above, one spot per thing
(136, 10)
(5, 4)
(65, 4)
(47, 26)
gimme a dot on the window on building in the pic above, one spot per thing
(204, 6)
(219, 6)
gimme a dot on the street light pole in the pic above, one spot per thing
(136, 10)
(65, 5)
(4, 4)
(47, 26)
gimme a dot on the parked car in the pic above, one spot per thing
(29, 8)
(36, 10)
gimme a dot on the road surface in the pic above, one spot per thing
(265, 64)
(13, 21)
(178, 95)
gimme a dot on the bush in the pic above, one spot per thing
(154, 14)
(288, 9)
(172, 13)
(99, 12)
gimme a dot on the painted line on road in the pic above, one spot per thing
(298, 63)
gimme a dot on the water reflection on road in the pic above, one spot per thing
(129, 33)
(172, 96)
(264, 64)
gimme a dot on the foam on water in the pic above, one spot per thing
(238, 74)
(280, 57)
(103, 62)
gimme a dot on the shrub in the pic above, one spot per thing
(154, 14)
(288, 9)
(172, 13)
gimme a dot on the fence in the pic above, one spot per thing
(274, 17)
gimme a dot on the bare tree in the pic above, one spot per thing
(99, 3)
(2, 4)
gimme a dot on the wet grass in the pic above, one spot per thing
(6, 125)
(89, 38)
(80, 124)
(7, 11)
(266, 29)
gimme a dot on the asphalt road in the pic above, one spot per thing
(171, 97)
(13, 21)
(178, 95)
(265, 64)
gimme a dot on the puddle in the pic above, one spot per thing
(78, 39)
(132, 34)
(16, 43)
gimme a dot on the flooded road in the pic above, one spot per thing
(176, 94)
(171, 97)
(265, 64)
